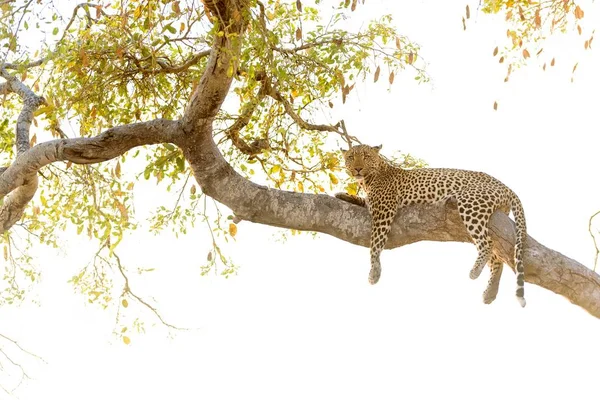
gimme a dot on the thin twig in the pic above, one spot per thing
(594, 240)
(127, 290)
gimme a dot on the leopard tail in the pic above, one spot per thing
(521, 237)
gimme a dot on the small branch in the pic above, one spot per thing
(306, 46)
(339, 128)
(164, 67)
(233, 132)
(127, 290)
(74, 15)
(594, 239)
(14, 342)
(31, 64)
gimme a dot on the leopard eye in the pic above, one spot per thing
(350, 158)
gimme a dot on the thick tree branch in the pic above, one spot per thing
(222, 65)
(110, 144)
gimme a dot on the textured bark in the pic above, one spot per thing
(259, 204)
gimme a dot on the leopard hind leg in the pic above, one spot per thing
(490, 292)
(476, 219)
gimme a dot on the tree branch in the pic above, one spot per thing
(110, 144)
(31, 64)
(233, 132)
(222, 65)
(13, 207)
(339, 128)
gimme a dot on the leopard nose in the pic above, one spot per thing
(358, 169)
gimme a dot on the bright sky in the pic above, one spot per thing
(300, 321)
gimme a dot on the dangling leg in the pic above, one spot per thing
(484, 246)
(491, 290)
(476, 220)
(382, 217)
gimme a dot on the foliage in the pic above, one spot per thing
(529, 24)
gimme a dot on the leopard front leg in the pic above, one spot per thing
(350, 198)
(382, 217)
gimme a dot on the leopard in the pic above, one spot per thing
(477, 195)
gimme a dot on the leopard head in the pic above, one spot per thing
(362, 160)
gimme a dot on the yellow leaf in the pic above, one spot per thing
(495, 51)
(138, 12)
(398, 43)
(468, 12)
(182, 27)
(333, 178)
(175, 7)
(298, 33)
(232, 229)
(124, 303)
(126, 340)
(118, 169)
(575, 67)
(495, 105)
(552, 63)
(193, 189)
(526, 53)
(391, 77)
(411, 58)
(5, 253)
(300, 187)
(578, 12)
(501, 60)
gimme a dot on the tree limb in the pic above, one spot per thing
(233, 132)
(12, 209)
(108, 145)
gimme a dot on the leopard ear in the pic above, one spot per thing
(343, 151)
(377, 148)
